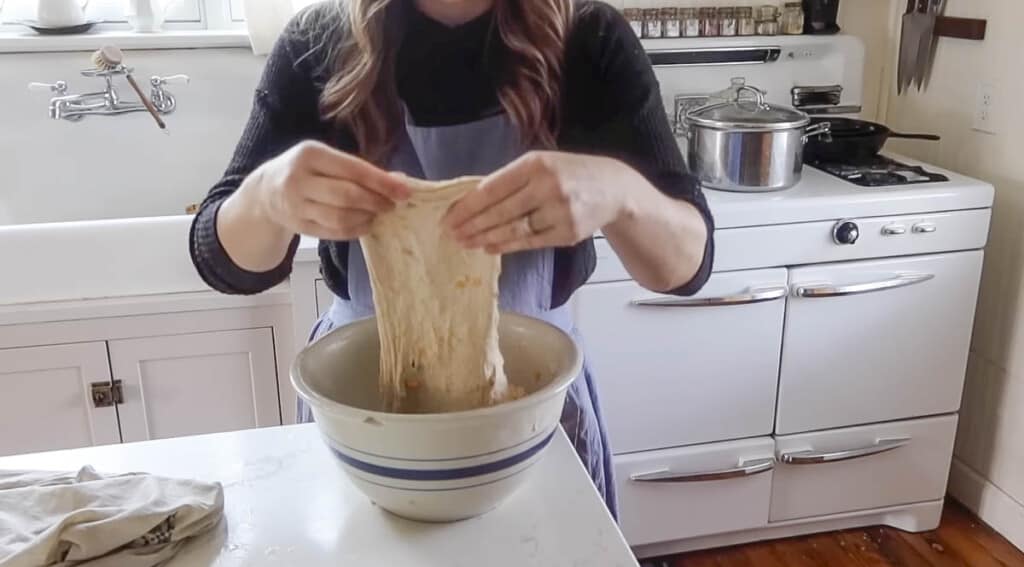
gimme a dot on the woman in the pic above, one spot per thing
(553, 100)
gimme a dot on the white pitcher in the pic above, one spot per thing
(61, 13)
(147, 15)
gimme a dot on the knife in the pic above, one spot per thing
(910, 40)
(927, 45)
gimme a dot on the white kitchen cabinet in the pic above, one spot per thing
(859, 468)
(47, 401)
(196, 383)
(682, 493)
(324, 297)
(875, 341)
(676, 371)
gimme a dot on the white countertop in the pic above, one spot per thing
(288, 503)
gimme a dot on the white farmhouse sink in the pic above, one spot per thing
(96, 259)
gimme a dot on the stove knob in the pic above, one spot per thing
(846, 232)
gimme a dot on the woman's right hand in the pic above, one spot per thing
(318, 191)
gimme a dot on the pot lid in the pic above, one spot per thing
(748, 114)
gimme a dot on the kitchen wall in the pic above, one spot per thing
(118, 166)
(988, 475)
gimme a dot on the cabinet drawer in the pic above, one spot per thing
(673, 371)
(862, 467)
(694, 491)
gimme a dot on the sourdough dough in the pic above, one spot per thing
(437, 308)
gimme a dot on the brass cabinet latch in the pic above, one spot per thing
(107, 394)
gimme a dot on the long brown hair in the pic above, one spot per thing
(361, 93)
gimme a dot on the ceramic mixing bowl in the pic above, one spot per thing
(443, 466)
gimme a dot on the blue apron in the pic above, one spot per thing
(479, 148)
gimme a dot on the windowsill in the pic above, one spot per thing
(29, 42)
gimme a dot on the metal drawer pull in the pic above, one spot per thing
(894, 230)
(923, 228)
(815, 457)
(760, 295)
(856, 289)
(746, 468)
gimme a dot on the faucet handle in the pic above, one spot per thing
(59, 88)
(161, 81)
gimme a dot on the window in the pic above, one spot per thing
(178, 14)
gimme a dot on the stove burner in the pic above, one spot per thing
(878, 171)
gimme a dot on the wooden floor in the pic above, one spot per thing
(960, 540)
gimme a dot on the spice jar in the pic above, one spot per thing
(769, 27)
(670, 22)
(652, 23)
(689, 22)
(793, 18)
(635, 17)
(745, 23)
(708, 22)
(727, 21)
(766, 13)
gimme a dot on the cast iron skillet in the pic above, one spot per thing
(852, 140)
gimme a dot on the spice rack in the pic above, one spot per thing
(724, 21)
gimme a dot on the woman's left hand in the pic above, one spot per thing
(541, 200)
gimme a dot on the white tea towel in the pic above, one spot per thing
(89, 519)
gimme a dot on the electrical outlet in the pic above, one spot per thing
(985, 109)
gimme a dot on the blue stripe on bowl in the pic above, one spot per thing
(361, 478)
(445, 474)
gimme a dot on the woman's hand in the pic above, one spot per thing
(541, 200)
(315, 190)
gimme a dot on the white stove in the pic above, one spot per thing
(814, 383)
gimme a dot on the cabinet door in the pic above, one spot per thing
(324, 297)
(678, 371)
(47, 402)
(196, 383)
(876, 341)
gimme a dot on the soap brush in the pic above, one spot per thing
(108, 58)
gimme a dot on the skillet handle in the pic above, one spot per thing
(931, 137)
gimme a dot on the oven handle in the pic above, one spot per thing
(816, 291)
(816, 457)
(746, 468)
(759, 295)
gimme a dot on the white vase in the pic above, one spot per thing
(146, 15)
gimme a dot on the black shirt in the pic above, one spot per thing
(611, 106)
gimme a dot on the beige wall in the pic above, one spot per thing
(869, 20)
(991, 436)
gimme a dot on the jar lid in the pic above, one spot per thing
(794, 5)
(746, 114)
(669, 11)
(745, 11)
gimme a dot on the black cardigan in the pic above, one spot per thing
(446, 75)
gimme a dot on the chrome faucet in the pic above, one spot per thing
(74, 107)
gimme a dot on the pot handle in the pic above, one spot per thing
(758, 95)
(823, 129)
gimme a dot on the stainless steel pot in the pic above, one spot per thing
(748, 145)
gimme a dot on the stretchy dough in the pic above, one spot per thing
(437, 308)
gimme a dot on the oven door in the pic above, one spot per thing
(874, 341)
(676, 371)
